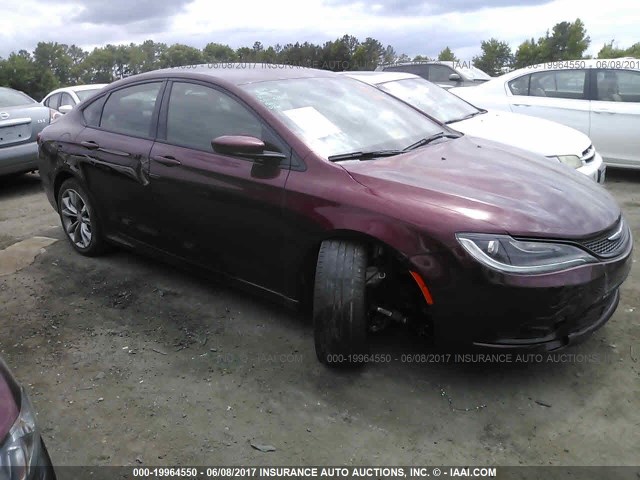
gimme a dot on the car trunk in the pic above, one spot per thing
(22, 124)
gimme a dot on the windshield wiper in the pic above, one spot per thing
(364, 155)
(432, 138)
(480, 110)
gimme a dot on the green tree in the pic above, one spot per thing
(495, 56)
(178, 55)
(528, 53)
(99, 65)
(568, 41)
(19, 72)
(446, 55)
(633, 51)
(611, 50)
(217, 52)
(367, 55)
(152, 52)
(421, 58)
(77, 56)
(53, 57)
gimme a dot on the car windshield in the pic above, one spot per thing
(473, 73)
(430, 98)
(334, 116)
(84, 94)
(13, 98)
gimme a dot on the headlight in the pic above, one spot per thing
(21, 448)
(506, 254)
(571, 160)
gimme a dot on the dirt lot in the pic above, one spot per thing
(129, 361)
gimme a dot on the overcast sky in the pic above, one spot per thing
(410, 26)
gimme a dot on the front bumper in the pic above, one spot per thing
(477, 307)
(595, 169)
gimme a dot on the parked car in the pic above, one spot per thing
(23, 454)
(601, 98)
(65, 99)
(443, 73)
(552, 140)
(21, 120)
(317, 189)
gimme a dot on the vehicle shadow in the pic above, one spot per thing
(618, 175)
(12, 186)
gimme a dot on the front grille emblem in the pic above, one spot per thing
(616, 235)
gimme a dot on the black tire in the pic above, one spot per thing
(339, 304)
(97, 244)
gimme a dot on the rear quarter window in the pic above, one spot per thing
(93, 112)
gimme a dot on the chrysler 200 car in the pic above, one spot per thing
(317, 189)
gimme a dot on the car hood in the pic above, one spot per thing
(479, 182)
(529, 133)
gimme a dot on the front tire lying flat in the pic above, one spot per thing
(339, 303)
(79, 219)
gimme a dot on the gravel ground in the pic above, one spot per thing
(131, 362)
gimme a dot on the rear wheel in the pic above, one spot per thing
(79, 219)
(339, 304)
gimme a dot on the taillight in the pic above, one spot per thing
(53, 115)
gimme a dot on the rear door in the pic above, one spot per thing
(221, 211)
(114, 150)
(615, 115)
(557, 95)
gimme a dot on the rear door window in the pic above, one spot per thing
(130, 110)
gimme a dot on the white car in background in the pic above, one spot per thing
(599, 97)
(63, 100)
(550, 139)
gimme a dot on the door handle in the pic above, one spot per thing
(520, 105)
(91, 145)
(167, 160)
(604, 111)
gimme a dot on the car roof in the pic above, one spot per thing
(450, 63)
(77, 88)
(375, 78)
(241, 73)
(91, 86)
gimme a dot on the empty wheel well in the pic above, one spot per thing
(60, 179)
(381, 255)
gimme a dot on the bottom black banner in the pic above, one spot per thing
(324, 473)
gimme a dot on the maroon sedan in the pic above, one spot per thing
(319, 190)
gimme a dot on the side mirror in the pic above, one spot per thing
(454, 77)
(65, 108)
(248, 147)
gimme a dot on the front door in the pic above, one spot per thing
(221, 211)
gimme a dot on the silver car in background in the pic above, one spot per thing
(21, 120)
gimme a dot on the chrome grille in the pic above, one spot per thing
(588, 155)
(603, 247)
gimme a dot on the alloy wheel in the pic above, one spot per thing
(76, 219)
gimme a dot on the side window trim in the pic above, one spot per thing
(294, 160)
